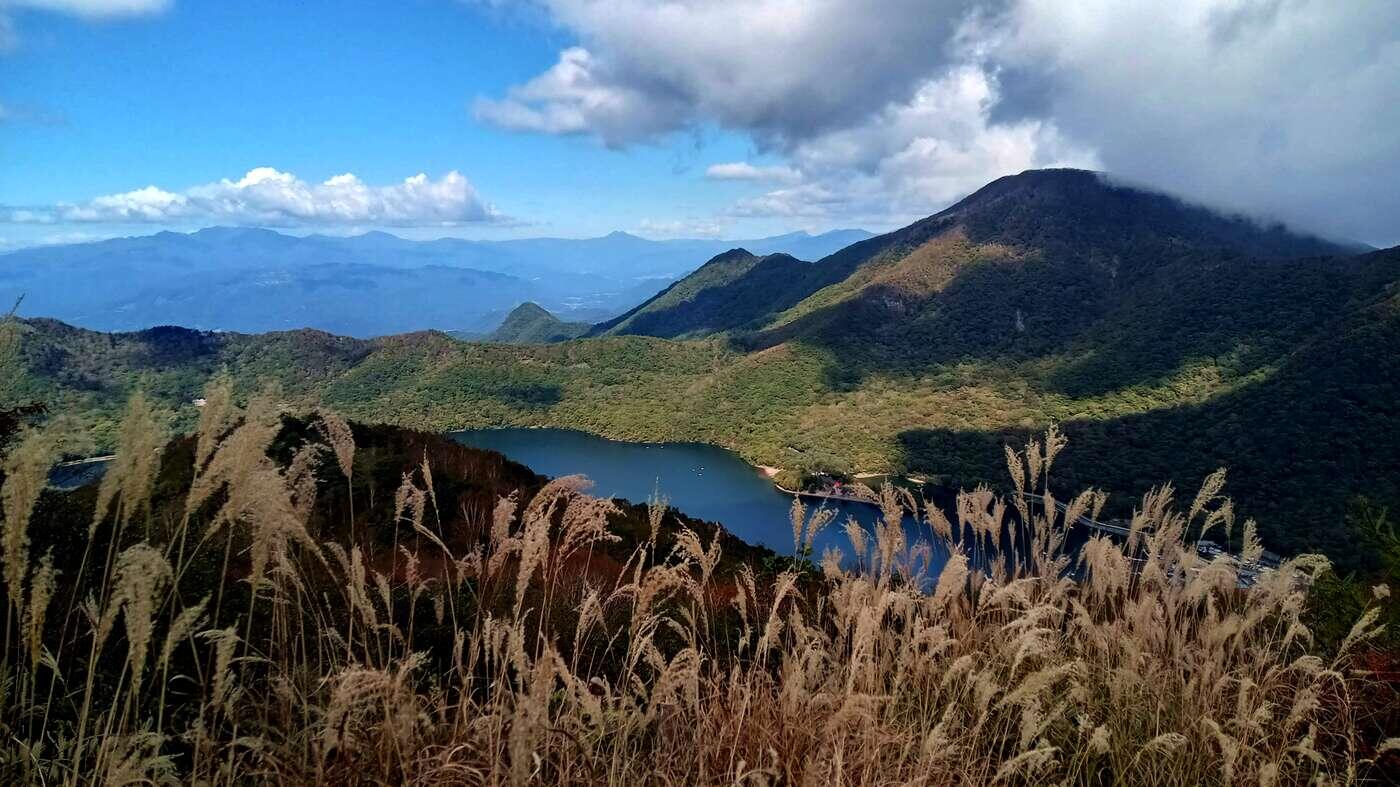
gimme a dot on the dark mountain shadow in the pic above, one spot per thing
(1230, 312)
(1237, 317)
(1062, 211)
(169, 345)
(1003, 308)
(1298, 445)
(529, 395)
(80, 359)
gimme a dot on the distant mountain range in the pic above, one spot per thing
(256, 280)
(1165, 339)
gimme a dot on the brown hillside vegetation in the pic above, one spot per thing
(302, 601)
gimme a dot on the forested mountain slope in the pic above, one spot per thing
(722, 294)
(1042, 245)
(530, 323)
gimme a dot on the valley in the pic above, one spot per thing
(728, 393)
(1165, 340)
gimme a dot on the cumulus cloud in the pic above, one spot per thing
(268, 197)
(1280, 107)
(573, 97)
(742, 170)
(783, 69)
(917, 156)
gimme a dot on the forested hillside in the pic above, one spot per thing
(530, 323)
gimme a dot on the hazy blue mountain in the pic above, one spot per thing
(251, 280)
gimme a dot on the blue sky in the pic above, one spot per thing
(211, 90)
(735, 118)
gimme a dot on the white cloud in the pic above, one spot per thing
(742, 170)
(685, 228)
(12, 113)
(96, 9)
(915, 157)
(1282, 107)
(52, 239)
(266, 196)
(808, 200)
(572, 98)
(781, 68)
(86, 9)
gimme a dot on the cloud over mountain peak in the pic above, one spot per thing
(1304, 90)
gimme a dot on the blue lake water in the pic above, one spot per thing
(702, 480)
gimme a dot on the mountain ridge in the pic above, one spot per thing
(1100, 222)
(696, 294)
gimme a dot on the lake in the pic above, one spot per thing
(704, 481)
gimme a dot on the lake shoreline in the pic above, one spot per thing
(704, 480)
(767, 472)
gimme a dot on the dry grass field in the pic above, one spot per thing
(211, 634)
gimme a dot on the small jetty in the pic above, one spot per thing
(833, 490)
(1102, 527)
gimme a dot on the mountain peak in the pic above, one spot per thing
(531, 323)
(1045, 208)
(378, 235)
(1062, 182)
(529, 309)
(734, 282)
(236, 233)
(736, 254)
